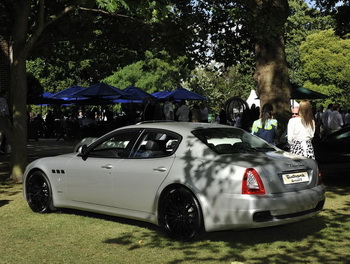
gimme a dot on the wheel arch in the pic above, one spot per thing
(201, 200)
(52, 186)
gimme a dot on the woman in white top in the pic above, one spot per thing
(301, 131)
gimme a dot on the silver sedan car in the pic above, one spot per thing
(184, 177)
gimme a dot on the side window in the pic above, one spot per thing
(115, 146)
(155, 144)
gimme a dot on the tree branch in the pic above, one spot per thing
(42, 25)
(103, 12)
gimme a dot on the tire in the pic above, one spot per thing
(180, 214)
(39, 193)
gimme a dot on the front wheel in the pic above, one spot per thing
(39, 193)
(180, 214)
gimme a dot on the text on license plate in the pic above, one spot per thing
(295, 177)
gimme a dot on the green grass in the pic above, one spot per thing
(76, 237)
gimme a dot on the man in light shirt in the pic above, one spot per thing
(169, 109)
(183, 112)
(335, 121)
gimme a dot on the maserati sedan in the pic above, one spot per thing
(183, 177)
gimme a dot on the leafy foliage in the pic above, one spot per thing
(302, 22)
(340, 11)
(157, 72)
(54, 77)
(326, 65)
(219, 83)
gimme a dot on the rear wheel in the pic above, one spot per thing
(180, 214)
(39, 192)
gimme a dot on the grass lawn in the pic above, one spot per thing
(70, 236)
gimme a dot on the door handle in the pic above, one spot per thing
(161, 169)
(107, 166)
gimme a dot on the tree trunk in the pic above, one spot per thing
(19, 124)
(18, 140)
(271, 72)
(273, 80)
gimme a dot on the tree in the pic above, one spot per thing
(271, 72)
(29, 21)
(339, 9)
(302, 22)
(226, 30)
(326, 65)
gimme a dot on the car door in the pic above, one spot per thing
(92, 180)
(139, 177)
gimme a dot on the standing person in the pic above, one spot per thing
(335, 119)
(5, 125)
(158, 114)
(204, 113)
(50, 124)
(169, 109)
(183, 112)
(347, 118)
(238, 122)
(301, 130)
(266, 126)
(148, 111)
(318, 122)
(222, 115)
(325, 120)
(196, 113)
(295, 111)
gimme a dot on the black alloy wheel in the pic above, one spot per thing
(39, 193)
(180, 214)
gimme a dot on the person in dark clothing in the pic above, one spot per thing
(222, 115)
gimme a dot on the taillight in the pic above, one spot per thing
(319, 179)
(252, 183)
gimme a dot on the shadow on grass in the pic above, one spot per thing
(292, 243)
(4, 202)
(285, 240)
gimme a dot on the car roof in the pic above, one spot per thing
(179, 127)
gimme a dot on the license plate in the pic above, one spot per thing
(297, 177)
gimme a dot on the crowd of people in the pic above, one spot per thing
(303, 126)
(75, 124)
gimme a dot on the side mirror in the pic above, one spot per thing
(83, 151)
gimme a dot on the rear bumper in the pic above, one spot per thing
(231, 211)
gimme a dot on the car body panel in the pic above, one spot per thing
(131, 185)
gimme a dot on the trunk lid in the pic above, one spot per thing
(280, 171)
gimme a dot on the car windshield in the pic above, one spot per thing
(231, 140)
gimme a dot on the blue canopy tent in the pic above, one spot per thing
(137, 95)
(43, 99)
(161, 94)
(102, 91)
(67, 93)
(179, 94)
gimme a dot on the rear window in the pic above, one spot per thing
(231, 140)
